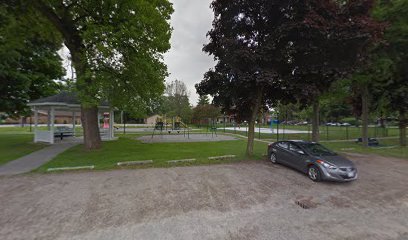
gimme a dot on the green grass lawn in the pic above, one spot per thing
(387, 148)
(326, 133)
(16, 130)
(129, 149)
(13, 146)
(16, 142)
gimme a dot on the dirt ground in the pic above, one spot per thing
(237, 201)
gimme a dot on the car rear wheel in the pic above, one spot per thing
(272, 158)
(314, 174)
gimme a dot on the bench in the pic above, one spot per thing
(62, 132)
(372, 142)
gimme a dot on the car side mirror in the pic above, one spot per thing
(301, 152)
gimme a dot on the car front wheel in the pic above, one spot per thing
(314, 174)
(272, 158)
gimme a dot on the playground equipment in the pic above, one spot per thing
(171, 125)
(212, 127)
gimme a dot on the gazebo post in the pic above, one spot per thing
(99, 120)
(111, 122)
(35, 123)
(73, 122)
(48, 119)
(52, 124)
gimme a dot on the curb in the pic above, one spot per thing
(134, 163)
(70, 168)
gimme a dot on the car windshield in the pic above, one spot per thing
(317, 149)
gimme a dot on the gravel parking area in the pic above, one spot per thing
(237, 201)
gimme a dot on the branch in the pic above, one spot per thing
(73, 3)
(77, 19)
(67, 30)
(49, 13)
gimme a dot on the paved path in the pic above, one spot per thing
(267, 130)
(255, 139)
(34, 160)
(192, 137)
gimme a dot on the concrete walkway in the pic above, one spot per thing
(34, 160)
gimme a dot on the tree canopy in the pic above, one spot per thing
(116, 49)
(394, 57)
(203, 112)
(176, 102)
(203, 100)
(271, 51)
(29, 62)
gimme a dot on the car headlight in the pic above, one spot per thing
(327, 165)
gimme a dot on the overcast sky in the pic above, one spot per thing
(186, 62)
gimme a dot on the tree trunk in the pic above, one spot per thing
(251, 137)
(74, 42)
(316, 121)
(403, 128)
(364, 115)
(251, 125)
(89, 114)
(89, 118)
(23, 121)
(382, 122)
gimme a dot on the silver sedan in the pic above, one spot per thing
(311, 158)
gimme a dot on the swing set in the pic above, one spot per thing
(169, 126)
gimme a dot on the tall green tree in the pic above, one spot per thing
(116, 49)
(366, 88)
(176, 101)
(246, 43)
(383, 82)
(203, 100)
(395, 87)
(29, 62)
(268, 51)
(332, 42)
(204, 112)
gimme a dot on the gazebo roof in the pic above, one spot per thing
(62, 99)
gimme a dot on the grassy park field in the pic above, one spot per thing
(16, 142)
(387, 148)
(128, 149)
(327, 133)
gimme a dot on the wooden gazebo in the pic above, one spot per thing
(65, 104)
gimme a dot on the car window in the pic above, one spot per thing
(318, 150)
(284, 145)
(294, 148)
